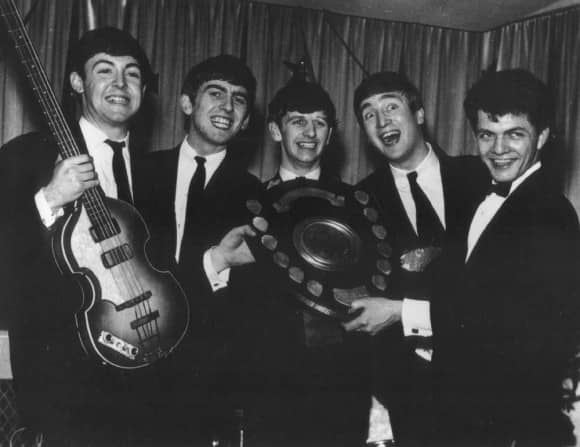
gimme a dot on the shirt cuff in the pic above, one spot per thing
(47, 215)
(216, 280)
(416, 318)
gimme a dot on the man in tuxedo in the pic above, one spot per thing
(197, 192)
(424, 196)
(506, 304)
(60, 393)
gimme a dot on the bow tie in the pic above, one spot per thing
(501, 189)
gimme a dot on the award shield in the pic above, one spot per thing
(326, 241)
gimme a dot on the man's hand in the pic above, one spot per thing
(233, 249)
(70, 178)
(376, 315)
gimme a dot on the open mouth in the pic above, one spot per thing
(116, 99)
(391, 137)
(221, 122)
(502, 163)
(310, 145)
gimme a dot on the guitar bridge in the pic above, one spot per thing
(116, 344)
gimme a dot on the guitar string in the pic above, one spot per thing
(99, 211)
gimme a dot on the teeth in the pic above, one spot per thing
(307, 146)
(117, 99)
(390, 137)
(221, 123)
(502, 163)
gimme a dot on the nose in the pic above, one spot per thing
(499, 146)
(228, 103)
(120, 80)
(382, 120)
(309, 130)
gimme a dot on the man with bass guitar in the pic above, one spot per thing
(64, 398)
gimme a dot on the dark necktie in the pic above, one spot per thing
(501, 189)
(190, 241)
(429, 227)
(120, 171)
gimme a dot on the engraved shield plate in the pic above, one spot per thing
(326, 241)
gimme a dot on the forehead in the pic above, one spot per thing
(508, 121)
(383, 97)
(106, 58)
(317, 114)
(223, 85)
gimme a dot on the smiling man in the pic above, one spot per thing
(504, 332)
(424, 196)
(60, 393)
(198, 191)
(301, 118)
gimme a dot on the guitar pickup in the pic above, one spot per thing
(117, 255)
(134, 301)
(99, 232)
(135, 324)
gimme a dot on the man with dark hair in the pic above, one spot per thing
(301, 117)
(71, 400)
(424, 196)
(198, 192)
(506, 299)
(316, 372)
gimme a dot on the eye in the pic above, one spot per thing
(104, 70)
(517, 135)
(484, 135)
(134, 73)
(321, 124)
(391, 106)
(240, 100)
(368, 115)
(215, 93)
(300, 122)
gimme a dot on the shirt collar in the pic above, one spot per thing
(93, 135)
(428, 167)
(517, 182)
(286, 175)
(190, 153)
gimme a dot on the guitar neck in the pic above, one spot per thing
(39, 80)
(92, 199)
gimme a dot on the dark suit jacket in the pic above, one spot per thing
(403, 379)
(59, 391)
(502, 322)
(208, 357)
(314, 375)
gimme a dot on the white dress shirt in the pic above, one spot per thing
(102, 155)
(429, 179)
(489, 208)
(186, 167)
(421, 317)
(286, 175)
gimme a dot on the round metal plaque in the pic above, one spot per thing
(327, 242)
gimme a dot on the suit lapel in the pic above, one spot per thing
(505, 215)
(392, 207)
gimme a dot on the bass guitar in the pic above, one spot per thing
(131, 314)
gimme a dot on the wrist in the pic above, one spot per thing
(51, 198)
(218, 259)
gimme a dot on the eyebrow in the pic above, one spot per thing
(109, 62)
(386, 95)
(221, 88)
